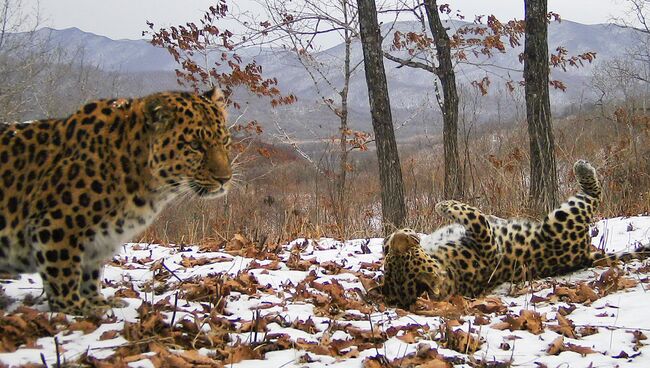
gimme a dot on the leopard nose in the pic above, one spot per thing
(223, 181)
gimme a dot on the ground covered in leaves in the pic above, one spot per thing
(305, 304)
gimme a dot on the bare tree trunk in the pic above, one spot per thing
(341, 203)
(454, 188)
(543, 176)
(343, 127)
(390, 173)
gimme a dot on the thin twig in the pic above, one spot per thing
(162, 262)
(614, 327)
(58, 352)
(175, 306)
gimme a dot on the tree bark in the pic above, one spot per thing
(453, 186)
(343, 208)
(390, 172)
(543, 176)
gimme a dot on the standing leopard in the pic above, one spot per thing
(479, 252)
(73, 190)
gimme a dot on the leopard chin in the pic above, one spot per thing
(209, 191)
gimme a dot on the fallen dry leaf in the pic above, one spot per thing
(424, 357)
(109, 335)
(482, 320)
(432, 308)
(237, 242)
(427, 357)
(256, 325)
(84, 326)
(637, 337)
(527, 320)
(538, 299)
(586, 293)
(558, 346)
(127, 293)
(613, 280)
(190, 261)
(306, 359)
(460, 341)
(582, 350)
(196, 359)
(565, 311)
(315, 348)
(583, 294)
(369, 285)
(409, 337)
(24, 326)
(378, 361)
(296, 262)
(308, 326)
(489, 305)
(587, 331)
(564, 327)
(239, 352)
(624, 355)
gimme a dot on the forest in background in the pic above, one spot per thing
(315, 191)
(520, 168)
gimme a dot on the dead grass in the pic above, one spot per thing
(282, 197)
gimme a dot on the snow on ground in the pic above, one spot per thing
(305, 304)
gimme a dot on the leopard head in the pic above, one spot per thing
(191, 143)
(409, 270)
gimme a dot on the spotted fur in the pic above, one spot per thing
(479, 252)
(72, 190)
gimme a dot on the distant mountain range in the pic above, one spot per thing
(128, 56)
(411, 90)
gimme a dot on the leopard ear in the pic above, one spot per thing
(216, 96)
(401, 241)
(386, 245)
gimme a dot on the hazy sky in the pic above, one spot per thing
(126, 18)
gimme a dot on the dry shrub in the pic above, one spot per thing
(282, 197)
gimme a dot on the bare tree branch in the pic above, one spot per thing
(410, 63)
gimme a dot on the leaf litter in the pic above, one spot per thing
(306, 304)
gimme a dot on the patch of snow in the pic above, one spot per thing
(277, 300)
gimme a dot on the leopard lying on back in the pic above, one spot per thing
(479, 252)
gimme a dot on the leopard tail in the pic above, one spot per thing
(609, 259)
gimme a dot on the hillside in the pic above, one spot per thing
(411, 90)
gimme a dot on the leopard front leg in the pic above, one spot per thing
(60, 269)
(91, 285)
(470, 217)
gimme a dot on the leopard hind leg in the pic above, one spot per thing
(476, 224)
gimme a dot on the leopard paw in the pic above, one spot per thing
(583, 169)
(77, 308)
(111, 302)
(444, 208)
